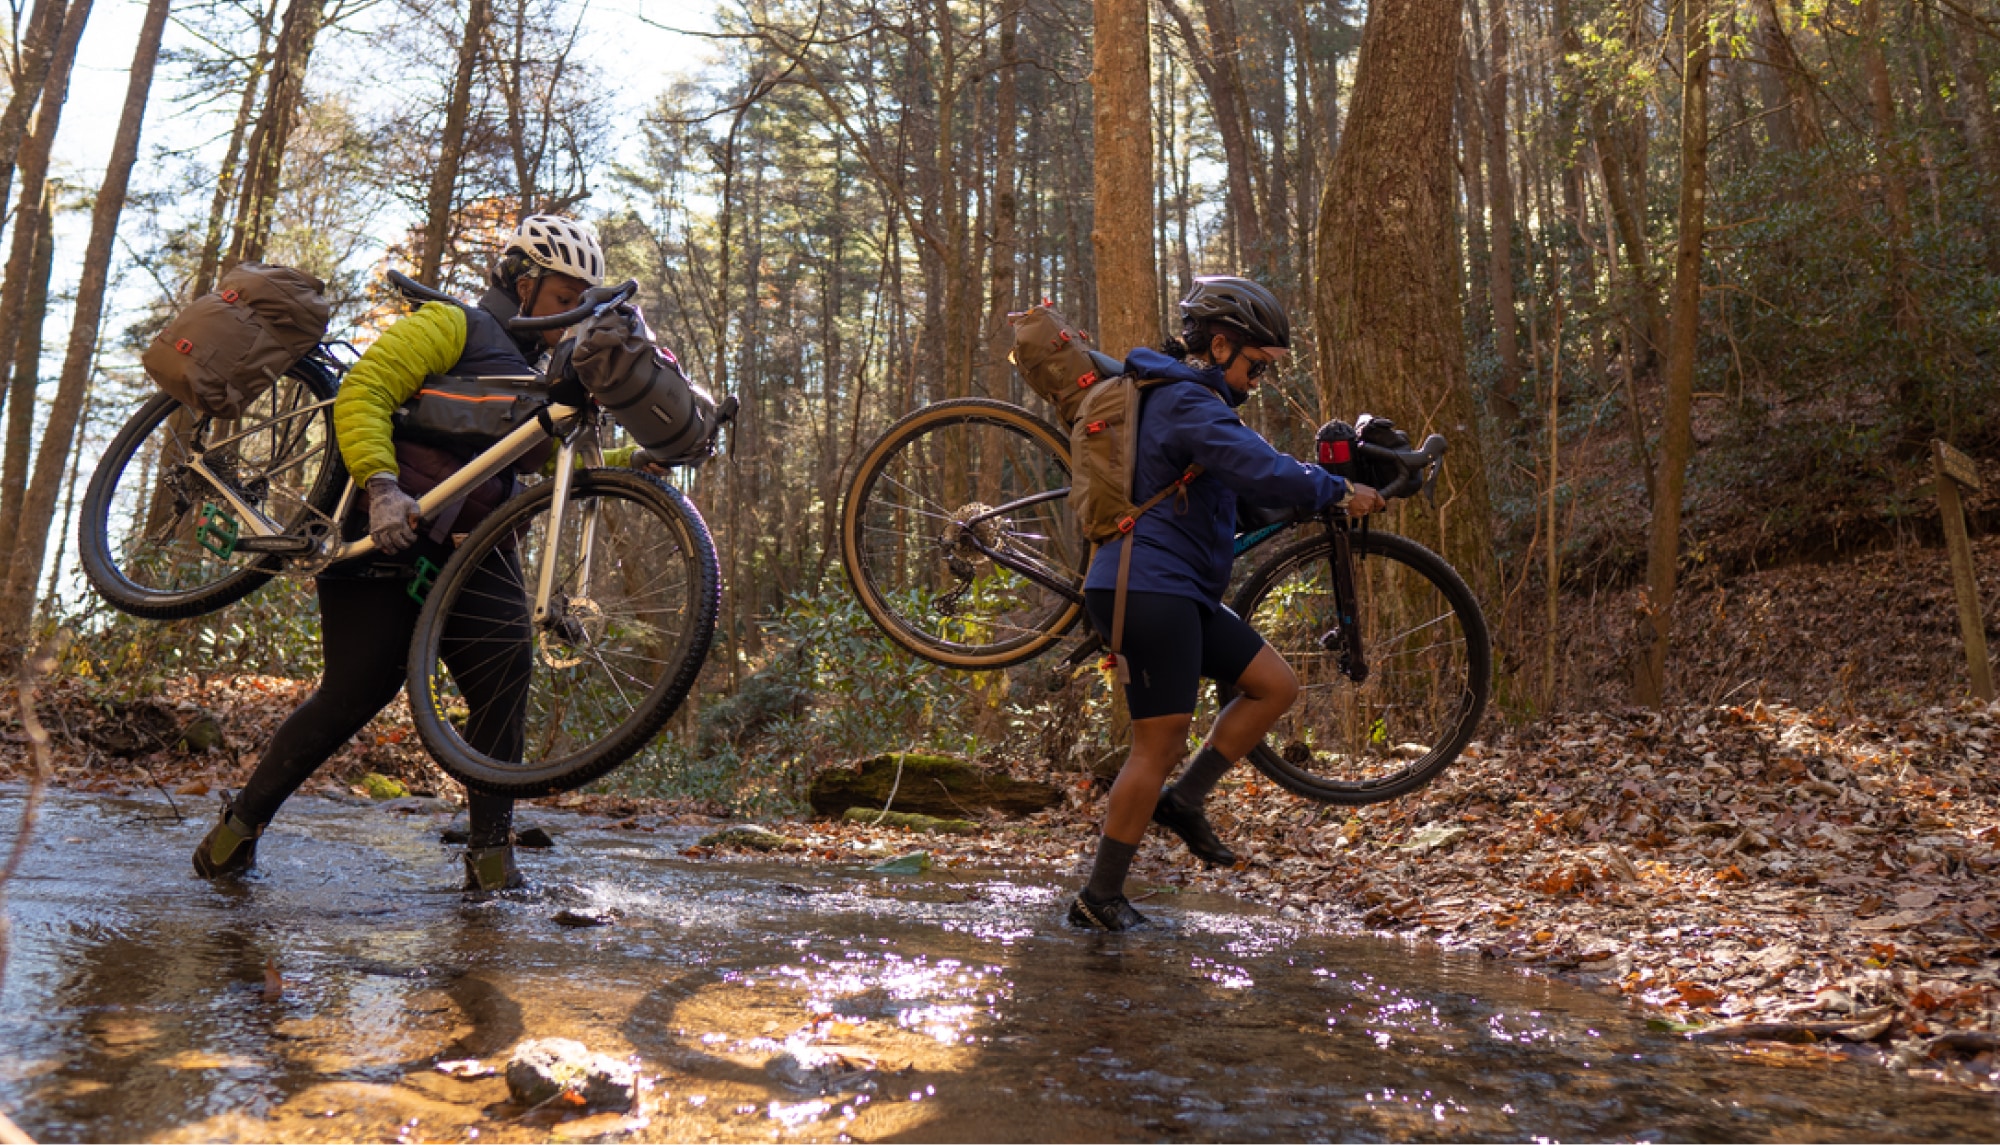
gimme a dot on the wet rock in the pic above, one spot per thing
(203, 733)
(930, 785)
(816, 1072)
(587, 916)
(929, 825)
(546, 1069)
(914, 863)
(749, 837)
(460, 833)
(533, 838)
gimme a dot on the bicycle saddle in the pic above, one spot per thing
(1107, 366)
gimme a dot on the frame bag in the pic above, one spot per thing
(224, 349)
(642, 384)
(467, 415)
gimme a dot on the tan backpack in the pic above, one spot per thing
(1104, 448)
(1053, 358)
(226, 348)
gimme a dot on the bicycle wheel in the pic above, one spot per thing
(147, 513)
(1429, 667)
(923, 502)
(513, 706)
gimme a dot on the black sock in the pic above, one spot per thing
(1203, 772)
(1107, 874)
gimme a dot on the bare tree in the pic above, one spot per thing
(1123, 231)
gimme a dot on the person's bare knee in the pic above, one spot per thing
(1269, 680)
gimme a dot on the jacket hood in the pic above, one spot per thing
(1146, 362)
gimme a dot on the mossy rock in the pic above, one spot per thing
(928, 824)
(749, 837)
(933, 785)
(377, 786)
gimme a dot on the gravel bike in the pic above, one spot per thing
(187, 513)
(959, 546)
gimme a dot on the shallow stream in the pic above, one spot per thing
(778, 1002)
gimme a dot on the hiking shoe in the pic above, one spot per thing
(1114, 913)
(229, 848)
(492, 869)
(1191, 824)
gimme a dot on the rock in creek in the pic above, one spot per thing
(928, 824)
(545, 1069)
(930, 785)
(748, 836)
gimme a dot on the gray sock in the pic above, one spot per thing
(1107, 874)
(1203, 772)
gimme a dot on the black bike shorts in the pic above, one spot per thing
(1171, 643)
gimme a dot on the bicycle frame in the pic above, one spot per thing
(555, 422)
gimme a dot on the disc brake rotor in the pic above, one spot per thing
(574, 627)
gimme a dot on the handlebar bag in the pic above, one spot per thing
(642, 384)
(1052, 358)
(225, 348)
(467, 415)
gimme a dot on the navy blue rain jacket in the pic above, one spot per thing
(1190, 419)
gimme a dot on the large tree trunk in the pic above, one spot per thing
(1901, 285)
(1122, 233)
(1805, 124)
(451, 146)
(1677, 434)
(1387, 303)
(38, 48)
(24, 563)
(1500, 201)
(265, 163)
(1973, 99)
(28, 222)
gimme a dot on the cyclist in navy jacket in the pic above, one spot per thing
(1177, 630)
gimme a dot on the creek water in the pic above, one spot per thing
(778, 1002)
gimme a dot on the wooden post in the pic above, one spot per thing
(1952, 470)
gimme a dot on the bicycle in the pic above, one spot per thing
(185, 514)
(959, 547)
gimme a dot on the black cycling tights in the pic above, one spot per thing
(365, 629)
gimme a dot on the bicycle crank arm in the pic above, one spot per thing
(1065, 670)
(282, 546)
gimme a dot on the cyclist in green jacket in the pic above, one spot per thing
(367, 612)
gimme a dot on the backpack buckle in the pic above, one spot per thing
(1095, 427)
(1086, 381)
(230, 295)
(1125, 524)
(184, 346)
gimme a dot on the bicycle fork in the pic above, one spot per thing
(1345, 639)
(545, 603)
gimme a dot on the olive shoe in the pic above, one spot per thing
(1114, 913)
(492, 869)
(1191, 824)
(229, 848)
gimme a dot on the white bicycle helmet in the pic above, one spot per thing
(562, 245)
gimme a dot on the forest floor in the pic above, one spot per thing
(1811, 880)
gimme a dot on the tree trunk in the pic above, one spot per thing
(28, 223)
(1215, 63)
(265, 163)
(1387, 302)
(1973, 97)
(27, 371)
(24, 563)
(1471, 168)
(1902, 297)
(1122, 230)
(1677, 434)
(1777, 44)
(1500, 201)
(229, 172)
(1000, 275)
(451, 146)
(38, 48)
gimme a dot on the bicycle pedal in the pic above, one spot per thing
(424, 577)
(217, 532)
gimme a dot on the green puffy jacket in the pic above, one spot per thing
(430, 341)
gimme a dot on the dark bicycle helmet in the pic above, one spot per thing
(1239, 304)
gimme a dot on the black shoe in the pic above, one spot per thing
(1114, 913)
(229, 848)
(1192, 826)
(492, 869)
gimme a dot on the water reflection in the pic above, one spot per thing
(805, 1004)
